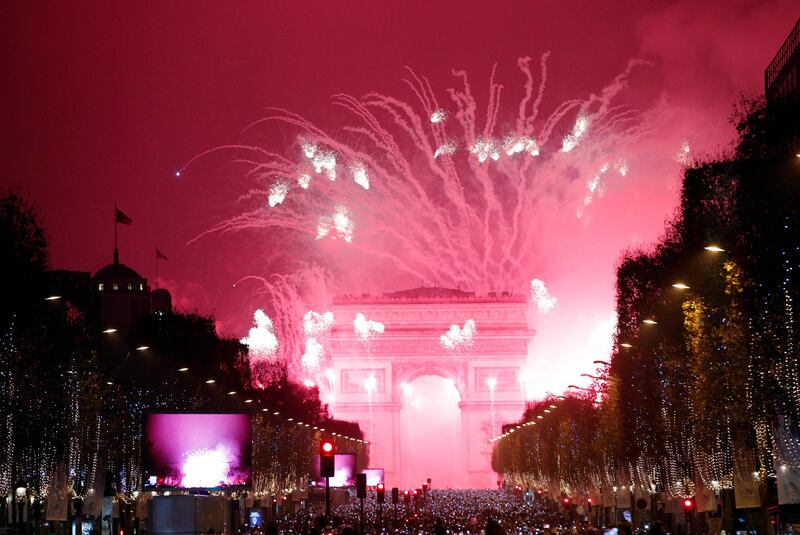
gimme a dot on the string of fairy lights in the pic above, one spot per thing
(714, 463)
(83, 432)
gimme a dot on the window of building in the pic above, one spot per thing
(141, 287)
(115, 286)
(100, 287)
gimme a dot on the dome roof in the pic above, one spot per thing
(117, 272)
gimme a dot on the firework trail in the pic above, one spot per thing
(441, 189)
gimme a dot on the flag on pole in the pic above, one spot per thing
(160, 255)
(121, 218)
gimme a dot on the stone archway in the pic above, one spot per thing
(409, 348)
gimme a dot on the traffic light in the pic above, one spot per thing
(589, 502)
(565, 501)
(688, 505)
(327, 454)
(381, 493)
(395, 495)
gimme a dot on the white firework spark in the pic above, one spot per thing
(304, 180)
(459, 337)
(448, 147)
(366, 329)
(572, 139)
(339, 225)
(360, 174)
(540, 296)
(315, 323)
(438, 116)
(683, 156)
(261, 341)
(277, 192)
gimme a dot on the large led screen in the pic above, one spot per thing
(344, 469)
(197, 450)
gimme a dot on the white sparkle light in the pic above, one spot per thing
(322, 160)
(684, 153)
(540, 296)
(438, 116)
(572, 139)
(366, 329)
(459, 337)
(448, 147)
(277, 193)
(261, 341)
(315, 323)
(304, 180)
(339, 222)
(359, 173)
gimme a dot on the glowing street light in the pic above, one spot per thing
(142, 348)
(680, 286)
(232, 392)
(183, 369)
(110, 330)
(210, 382)
(626, 345)
(714, 248)
(52, 298)
(650, 321)
(248, 401)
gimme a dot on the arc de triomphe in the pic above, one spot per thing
(367, 376)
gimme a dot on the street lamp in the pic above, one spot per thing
(649, 321)
(142, 348)
(714, 248)
(183, 370)
(680, 286)
(52, 298)
(110, 330)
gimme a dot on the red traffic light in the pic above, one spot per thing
(405, 493)
(327, 447)
(566, 500)
(380, 486)
(589, 501)
(688, 504)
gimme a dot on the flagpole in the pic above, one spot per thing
(116, 251)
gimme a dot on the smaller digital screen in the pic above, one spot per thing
(374, 476)
(197, 450)
(255, 519)
(344, 471)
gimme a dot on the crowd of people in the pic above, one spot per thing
(441, 512)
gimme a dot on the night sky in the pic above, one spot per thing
(104, 101)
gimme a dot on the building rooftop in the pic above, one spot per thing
(432, 294)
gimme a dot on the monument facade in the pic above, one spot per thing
(369, 373)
